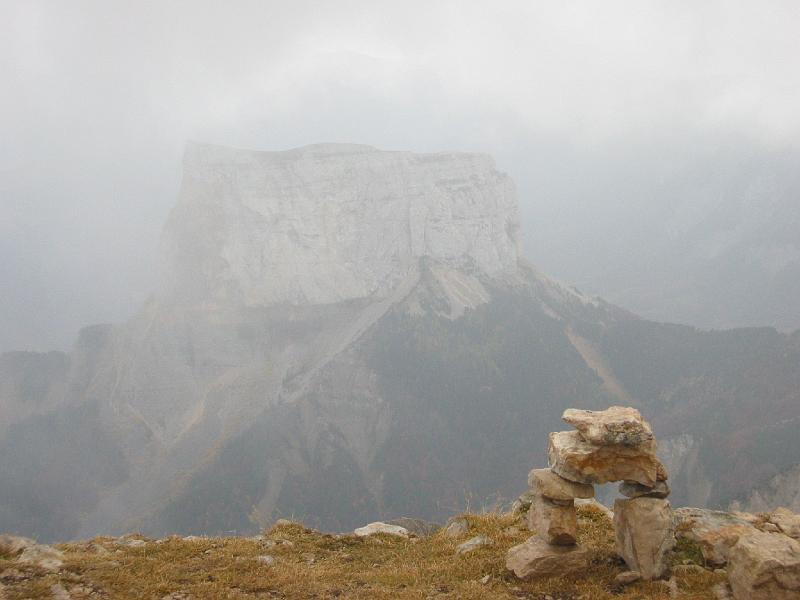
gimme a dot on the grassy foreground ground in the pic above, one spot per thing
(310, 564)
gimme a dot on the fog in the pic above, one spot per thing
(339, 335)
(625, 125)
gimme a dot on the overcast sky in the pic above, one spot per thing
(98, 99)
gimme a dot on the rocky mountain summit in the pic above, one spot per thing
(331, 222)
(344, 335)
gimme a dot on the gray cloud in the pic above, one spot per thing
(588, 105)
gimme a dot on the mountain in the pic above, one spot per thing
(344, 334)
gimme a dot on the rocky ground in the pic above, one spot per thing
(556, 542)
(465, 559)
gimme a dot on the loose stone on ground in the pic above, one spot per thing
(765, 566)
(473, 544)
(536, 558)
(378, 527)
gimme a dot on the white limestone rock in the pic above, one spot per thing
(614, 425)
(765, 566)
(645, 532)
(331, 222)
(536, 558)
(378, 527)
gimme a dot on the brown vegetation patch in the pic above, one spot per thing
(312, 565)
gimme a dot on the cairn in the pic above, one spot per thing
(612, 445)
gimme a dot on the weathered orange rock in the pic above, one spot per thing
(573, 458)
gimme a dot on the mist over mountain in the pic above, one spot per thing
(652, 146)
(343, 334)
(707, 236)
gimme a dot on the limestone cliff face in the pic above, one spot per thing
(327, 223)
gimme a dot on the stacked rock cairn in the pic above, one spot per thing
(612, 445)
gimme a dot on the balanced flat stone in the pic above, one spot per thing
(765, 566)
(554, 523)
(631, 489)
(555, 487)
(573, 458)
(536, 558)
(615, 425)
(645, 532)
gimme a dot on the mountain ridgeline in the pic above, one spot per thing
(345, 334)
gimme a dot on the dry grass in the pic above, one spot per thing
(309, 564)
